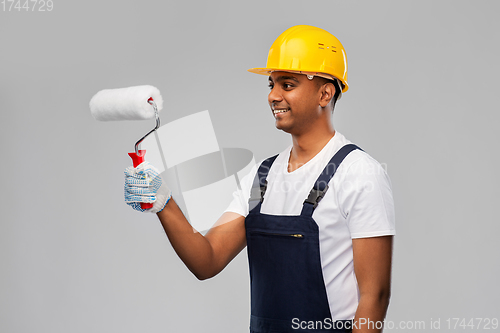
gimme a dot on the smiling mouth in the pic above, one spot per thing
(277, 111)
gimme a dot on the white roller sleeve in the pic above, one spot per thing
(125, 103)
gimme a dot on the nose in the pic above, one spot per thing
(274, 95)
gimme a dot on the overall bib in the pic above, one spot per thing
(286, 278)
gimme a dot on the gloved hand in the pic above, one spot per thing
(144, 184)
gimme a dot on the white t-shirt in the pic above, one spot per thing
(358, 204)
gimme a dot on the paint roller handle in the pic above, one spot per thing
(136, 160)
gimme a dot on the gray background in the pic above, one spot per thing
(422, 100)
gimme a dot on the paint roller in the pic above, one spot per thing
(132, 103)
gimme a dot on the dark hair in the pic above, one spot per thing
(338, 91)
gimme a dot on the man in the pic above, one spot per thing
(318, 218)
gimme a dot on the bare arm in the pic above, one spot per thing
(205, 256)
(372, 266)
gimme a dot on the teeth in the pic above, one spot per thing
(280, 111)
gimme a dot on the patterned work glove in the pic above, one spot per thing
(144, 184)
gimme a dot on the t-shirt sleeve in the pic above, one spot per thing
(365, 199)
(239, 204)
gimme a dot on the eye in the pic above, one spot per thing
(287, 85)
(270, 85)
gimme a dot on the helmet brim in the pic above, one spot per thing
(268, 71)
(261, 71)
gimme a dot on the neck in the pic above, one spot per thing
(307, 145)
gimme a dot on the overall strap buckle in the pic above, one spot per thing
(259, 186)
(324, 178)
(263, 189)
(315, 196)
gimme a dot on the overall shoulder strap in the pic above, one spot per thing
(260, 184)
(321, 185)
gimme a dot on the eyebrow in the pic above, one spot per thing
(283, 78)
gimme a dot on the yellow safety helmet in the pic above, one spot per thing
(307, 50)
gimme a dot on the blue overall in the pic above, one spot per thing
(286, 277)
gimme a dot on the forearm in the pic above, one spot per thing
(371, 313)
(191, 246)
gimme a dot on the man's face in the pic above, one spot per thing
(294, 100)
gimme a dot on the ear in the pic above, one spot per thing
(327, 91)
